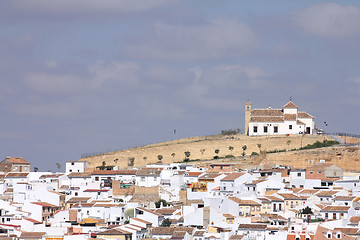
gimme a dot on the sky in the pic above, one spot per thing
(92, 76)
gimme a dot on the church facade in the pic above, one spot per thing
(287, 120)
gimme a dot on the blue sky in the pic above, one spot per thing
(88, 76)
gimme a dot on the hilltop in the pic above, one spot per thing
(173, 151)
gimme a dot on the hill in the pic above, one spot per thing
(173, 151)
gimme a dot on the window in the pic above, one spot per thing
(290, 127)
(265, 129)
(311, 172)
(299, 174)
(96, 178)
(255, 129)
(72, 163)
(319, 171)
(276, 129)
(70, 170)
(155, 178)
(142, 179)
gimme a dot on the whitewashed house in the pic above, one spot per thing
(287, 120)
(148, 177)
(76, 166)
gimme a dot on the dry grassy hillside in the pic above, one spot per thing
(347, 158)
(173, 151)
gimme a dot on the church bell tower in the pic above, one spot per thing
(247, 116)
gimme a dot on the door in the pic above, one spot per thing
(307, 130)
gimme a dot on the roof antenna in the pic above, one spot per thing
(290, 98)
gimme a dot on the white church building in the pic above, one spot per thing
(269, 121)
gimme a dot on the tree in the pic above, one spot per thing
(244, 148)
(202, 151)
(288, 143)
(259, 146)
(58, 165)
(160, 157)
(129, 213)
(36, 169)
(217, 151)
(231, 148)
(187, 156)
(173, 155)
(116, 160)
(307, 210)
(166, 223)
(144, 158)
(158, 203)
(131, 161)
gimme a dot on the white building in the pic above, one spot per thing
(76, 166)
(287, 120)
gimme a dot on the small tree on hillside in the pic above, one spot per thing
(160, 157)
(116, 160)
(244, 148)
(288, 143)
(131, 161)
(36, 169)
(259, 146)
(58, 166)
(202, 151)
(231, 148)
(187, 156)
(173, 155)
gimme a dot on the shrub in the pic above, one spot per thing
(254, 154)
(229, 156)
(230, 131)
(158, 203)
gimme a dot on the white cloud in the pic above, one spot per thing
(124, 72)
(356, 81)
(53, 83)
(114, 73)
(51, 64)
(330, 20)
(88, 6)
(244, 77)
(218, 38)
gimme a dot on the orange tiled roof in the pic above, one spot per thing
(244, 202)
(232, 176)
(290, 104)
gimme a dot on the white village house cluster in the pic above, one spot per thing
(183, 200)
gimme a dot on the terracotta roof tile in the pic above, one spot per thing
(304, 115)
(267, 112)
(17, 160)
(232, 176)
(32, 234)
(335, 209)
(267, 119)
(44, 204)
(290, 104)
(17, 175)
(244, 202)
(290, 117)
(253, 226)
